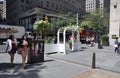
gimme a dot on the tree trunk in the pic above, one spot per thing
(43, 35)
(99, 44)
(99, 41)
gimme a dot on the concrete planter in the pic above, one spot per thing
(51, 48)
(36, 51)
(105, 43)
(76, 46)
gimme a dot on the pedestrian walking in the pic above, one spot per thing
(11, 48)
(118, 49)
(116, 45)
(88, 41)
(24, 49)
(92, 42)
(70, 42)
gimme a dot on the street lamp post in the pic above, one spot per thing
(77, 19)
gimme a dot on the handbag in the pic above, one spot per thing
(115, 45)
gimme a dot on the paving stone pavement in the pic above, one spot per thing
(51, 68)
(62, 66)
(96, 74)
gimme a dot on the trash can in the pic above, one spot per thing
(36, 51)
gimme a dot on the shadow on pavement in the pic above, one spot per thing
(83, 47)
(32, 70)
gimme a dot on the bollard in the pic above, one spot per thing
(93, 61)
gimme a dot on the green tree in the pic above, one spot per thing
(42, 27)
(97, 21)
(65, 20)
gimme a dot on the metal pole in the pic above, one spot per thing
(94, 61)
(119, 28)
(37, 17)
(77, 19)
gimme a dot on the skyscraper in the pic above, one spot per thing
(4, 9)
(92, 5)
(1, 9)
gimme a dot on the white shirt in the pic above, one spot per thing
(9, 44)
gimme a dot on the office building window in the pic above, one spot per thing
(22, 0)
(38, 5)
(63, 8)
(56, 6)
(41, 4)
(67, 10)
(52, 4)
(27, 1)
(47, 4)
(60, 7)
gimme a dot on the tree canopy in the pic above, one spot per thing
(42, 27)
(96, 21)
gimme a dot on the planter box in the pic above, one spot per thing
(76, 46)
(60, 48)
(36, 51)
(105, 43)
(51, 48)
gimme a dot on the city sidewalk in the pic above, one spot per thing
(51, 68)
(105, 58)
(71, 65)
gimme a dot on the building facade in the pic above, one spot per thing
(4, 9)
(1, 9)
(114, 28)
(92, 5)
(25, 12)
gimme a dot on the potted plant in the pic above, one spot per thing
(36, 53)
(105, 40)
(42, 27)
